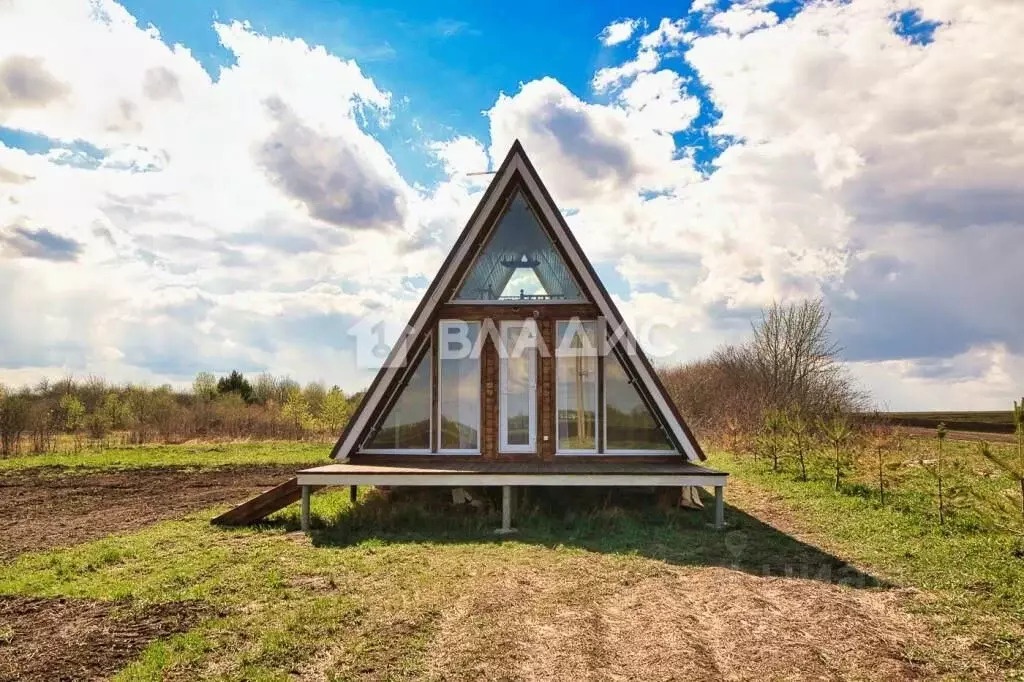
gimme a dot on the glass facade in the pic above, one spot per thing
(629, 425)
(459, 386)
(518, 385)
(576, 386)
(519, 262)
(407, 426)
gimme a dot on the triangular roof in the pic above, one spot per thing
(515, 172)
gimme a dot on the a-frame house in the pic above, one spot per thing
(516, 369)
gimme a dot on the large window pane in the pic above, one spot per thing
(459, 383)
(576, 386)
(518, 384)
(519, 261)
(407, 426)
(629, 425)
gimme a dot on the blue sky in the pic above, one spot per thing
(223, 184)
(469, 51)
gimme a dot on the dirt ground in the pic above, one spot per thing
(41, 508)
(81, 639)
(920, 432)
(709, 623)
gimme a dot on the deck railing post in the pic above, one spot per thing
(304, 517)
(719, 506)
(506, 511)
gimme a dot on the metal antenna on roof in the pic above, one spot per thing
(482, 173)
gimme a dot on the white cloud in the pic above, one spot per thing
(863, 167)
(587, 152)
(742, 20)
(612, 76)
(619, 31)
(259, 188)
(464, 158)
(982, 377)
(702, 5)
(660, 101)
(669, 33)
(883, 174)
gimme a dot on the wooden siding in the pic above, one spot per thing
(546, 392)
(489, 398)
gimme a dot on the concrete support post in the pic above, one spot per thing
(719, 506)
(506, 511)
(304, 518)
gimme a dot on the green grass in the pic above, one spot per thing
(199, 455)
(371, 588)
(370, 594)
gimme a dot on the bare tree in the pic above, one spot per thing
(790, 361)
(795, 360)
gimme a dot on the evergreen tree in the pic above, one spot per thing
(235, 383)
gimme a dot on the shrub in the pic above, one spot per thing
(14, 419)
(837, 431)
(799, 432)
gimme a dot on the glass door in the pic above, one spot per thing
(518, 387)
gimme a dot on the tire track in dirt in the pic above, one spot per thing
(82, 639)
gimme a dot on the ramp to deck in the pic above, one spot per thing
(263, 504)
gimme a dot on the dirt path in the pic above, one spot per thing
(42, 508)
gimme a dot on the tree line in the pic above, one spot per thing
(71, 413)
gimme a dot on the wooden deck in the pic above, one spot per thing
(568, 472)
(507, 474)
(577, 466)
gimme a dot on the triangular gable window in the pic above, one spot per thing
(407, 424)
(519, 262)
(629, 424)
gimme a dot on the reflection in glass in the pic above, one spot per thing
(629, 425)
(576, 386)
(518, 385)
(519, 262)
(459, 386)
(407, 426)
